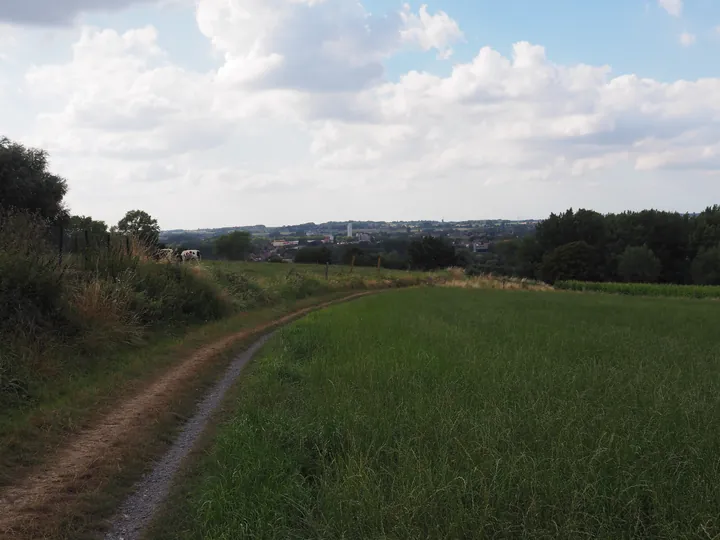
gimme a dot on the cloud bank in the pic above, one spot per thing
(300, 120)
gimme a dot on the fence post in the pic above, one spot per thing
(86, 251)
(110, 256)
(378, 264)
(60, 245)
(352, 264)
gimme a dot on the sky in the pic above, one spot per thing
(213, 113)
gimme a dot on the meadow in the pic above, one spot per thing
(461, 413)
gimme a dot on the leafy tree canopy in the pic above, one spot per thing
(430, 253)
(141, 224)
(234, 246)
(638, 264)
(706, 266)
(575, 260)
(26, 184)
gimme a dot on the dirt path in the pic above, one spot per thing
(139, 509)
(70, 471)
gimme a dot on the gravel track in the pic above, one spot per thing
(139, 509)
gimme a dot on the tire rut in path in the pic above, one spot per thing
(40, 497)
(138, 510)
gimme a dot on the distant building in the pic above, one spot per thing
(481, 247)
(349, 230)
(285, 243)
(363, 237)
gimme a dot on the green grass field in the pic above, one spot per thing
(451, 413)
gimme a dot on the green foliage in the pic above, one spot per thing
(167, 294)
(674, 239)
(314, 255)
(706, 230)
(576, 260)
(79, 224)
(706, 266)
(297, 286)
(27, 185)
(639, 264)
(234, 246)
(394, 417)
(58, 316)
(430, 253)
(584, 226)
(141, 225)
(245, 292)
(31, 290)
(641, 289)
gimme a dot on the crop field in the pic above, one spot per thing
(643, 289)
(461, 413)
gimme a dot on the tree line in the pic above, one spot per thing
(647, 246)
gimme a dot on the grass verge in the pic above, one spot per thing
(79, 513)
(446, 413)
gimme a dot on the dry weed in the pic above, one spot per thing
(489, 281)
(102, 309)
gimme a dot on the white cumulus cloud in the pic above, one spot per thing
(687, 39)
(673, 7)
(299, 121)
(428, 31)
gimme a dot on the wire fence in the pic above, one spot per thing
(104, 252)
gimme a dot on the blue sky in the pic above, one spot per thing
(632, 36)
(293, 112)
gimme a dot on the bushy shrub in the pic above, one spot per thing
(101, 312)
(297, 286)
(57, 315)
(173, 293)
(245, 292)
(31, 288)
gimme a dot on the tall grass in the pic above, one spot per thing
(643, 289)
(59, 315)
(448, 413)
(62, 315)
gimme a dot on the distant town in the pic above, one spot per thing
(476, 236)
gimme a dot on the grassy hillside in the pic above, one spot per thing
(451, 413)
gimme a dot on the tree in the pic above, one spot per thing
(26, 184)
(573, 261)
(706, 229)
(581, 226)
(86, 223)
(314, 255)
(141, 224)
(638, 264)
(234, 246)
(705, 268)
(665, 233)
(430, 253)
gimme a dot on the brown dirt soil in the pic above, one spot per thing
(37, 503)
